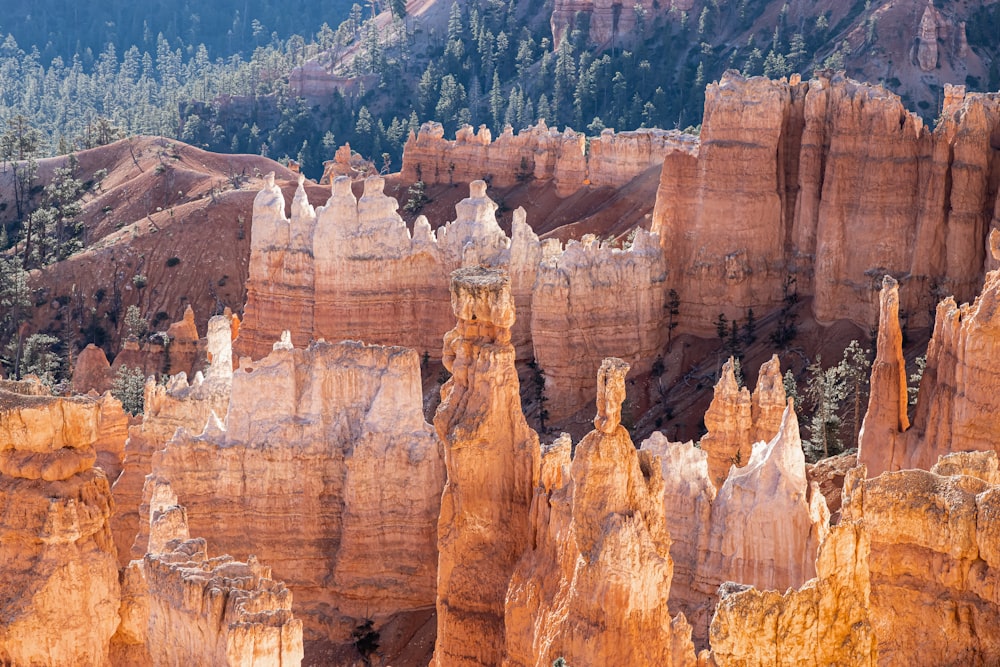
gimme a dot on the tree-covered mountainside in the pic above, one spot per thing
(224, 27)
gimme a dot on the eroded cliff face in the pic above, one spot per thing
(571, 327)
(881, 443)
(492, 460)
(957, 402)
(60, 591)
(933, 559)
(814, 180)
(373, 280)
(825, 622)
(540, 153)
(182, 607)
(177, 404)
(593, 588)
(333, 433)
(736, 420)
(761, 529)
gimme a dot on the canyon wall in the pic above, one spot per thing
(933, 558)
(59, 592)
(168, 407)
(492, 461)
(816, 181)
(540, 153)
(334, 434)
(572, 326)
(762, 528)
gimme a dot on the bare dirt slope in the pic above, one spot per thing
(168, 226)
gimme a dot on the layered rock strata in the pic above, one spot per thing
(593, 588)
(492, 460)
(59, 591)
(177, 404)
(825, 622)
(335, 434)
(761, 529)
(280, 285)
(571, 327)
(540, 153)
(881, 442)
(374, 280)
(934, 560)
(800, 172)
(183, 607)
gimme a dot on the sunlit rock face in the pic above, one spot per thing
(933, 559)
(168, 407)
(593, 588)
(957, 400)
(58, 570)
(180, 606)
(492, 460)
(817, 181)
(323, 460)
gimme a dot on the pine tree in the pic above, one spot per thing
(128, 386)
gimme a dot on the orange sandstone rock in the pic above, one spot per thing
(881, 442)
(957, 403)
(735, 420)
(573, 327)
(335, 434)
(492, 460)
(934, 560)
(824, 622)
(814, 180)
(59, 590)
(167, 408)
(183, 607)
(593, 588)
(91, 371)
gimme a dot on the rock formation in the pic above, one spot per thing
(881, 441)
(767, 521)
(572, 328)
(814, 180)
(183, 607)
(594, 587)
(167, 408)
(373, 280)
(60, 591)
(927, 36)
(112, 434)
(280, 286)
(492, 460)
(91, 371)
(735, 420)
(825, 622)
(933, 560)
(323, 461)
(539, 153)
(688, 494)
(762, 528)
(366, 260)
(957, 403)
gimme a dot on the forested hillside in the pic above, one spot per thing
(224, 27)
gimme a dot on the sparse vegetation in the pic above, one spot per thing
(128, 386)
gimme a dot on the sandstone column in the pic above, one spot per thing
(492, 461)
